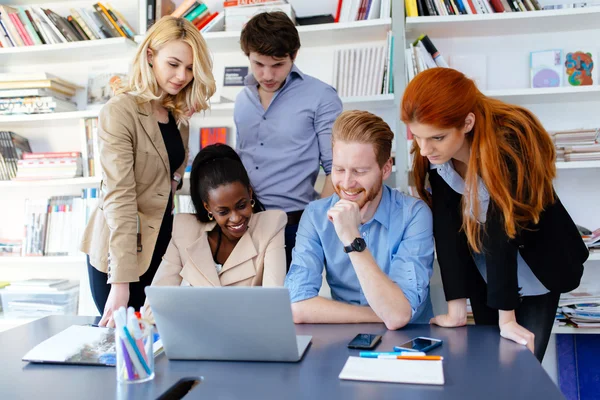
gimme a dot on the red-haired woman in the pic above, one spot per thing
(503, 238)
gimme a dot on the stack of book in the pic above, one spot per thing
(577, 145)
(31, 26)
(238, 12)
(422, 8)
(54, 226)
(580, 308)
(12, 148)
(35, 93)
(364, 71)
(197, 13)
(51, 165)
(10, 247)
(360, 10)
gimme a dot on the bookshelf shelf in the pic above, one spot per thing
(547, 95)
(342, 33)
(27, 118)
(63, 260)
(382, 100)
(72, 183)
(571, 330)
(577, 164)
(500, 24)
(67, 52)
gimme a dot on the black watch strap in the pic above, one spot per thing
(357, 244)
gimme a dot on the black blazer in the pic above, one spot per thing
(553, 249)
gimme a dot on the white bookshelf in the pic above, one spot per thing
(570, 330)
(509, 23)
(547, 95)
(577, 164)
(61, 116)
(594, 256)
(68, 52)
(70, 183)
(43, 261)
(320, 35)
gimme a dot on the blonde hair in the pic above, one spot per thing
(142, 82)
(364, 127)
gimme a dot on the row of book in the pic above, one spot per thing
(364, 71)
(12, 148)
(54, 226)
(422, 8)
(422, 55)
(580, 308)
(361, 10)
(31, 26)
(50, 165)
(577, 145)
(35, 93)
(197, 12)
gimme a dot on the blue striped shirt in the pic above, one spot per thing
(283, 147)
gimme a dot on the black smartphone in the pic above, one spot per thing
(364, 341)
(420, 343)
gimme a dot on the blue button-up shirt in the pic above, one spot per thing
(283, 147)
(529, 284)
(399, 236)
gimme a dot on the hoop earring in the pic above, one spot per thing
(210, 216)
(252, 203)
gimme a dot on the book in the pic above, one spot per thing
(578, 68)
(546, 68)
(394, 371)
(81, 345)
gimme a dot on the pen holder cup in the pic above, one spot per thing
(135, 356)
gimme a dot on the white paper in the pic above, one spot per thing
(395, 371)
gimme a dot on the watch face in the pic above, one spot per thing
(359, 244)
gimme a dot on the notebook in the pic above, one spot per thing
(394, 371)
(81, 345)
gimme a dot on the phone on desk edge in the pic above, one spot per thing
(364, 341)
(421, 343)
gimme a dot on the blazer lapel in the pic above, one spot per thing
(240, 264)
(152, 129)
(201, 258)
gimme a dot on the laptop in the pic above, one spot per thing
(226, 323)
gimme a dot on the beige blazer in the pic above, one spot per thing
(258, 259)
(135, 187)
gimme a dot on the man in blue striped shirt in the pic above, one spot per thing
(375, 243)
(283, 120)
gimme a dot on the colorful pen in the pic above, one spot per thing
(425, 358)
(377, 354)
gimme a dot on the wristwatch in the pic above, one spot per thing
(357, 244)
(177, 178)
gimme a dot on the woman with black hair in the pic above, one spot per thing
(230, 240)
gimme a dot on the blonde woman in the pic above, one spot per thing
(143, 137)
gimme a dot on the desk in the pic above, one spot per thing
(478, 364)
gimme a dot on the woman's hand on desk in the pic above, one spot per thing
(118, 297)
(457, 315)
(510, 329)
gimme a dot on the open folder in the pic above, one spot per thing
(395, 371)
(81, 345)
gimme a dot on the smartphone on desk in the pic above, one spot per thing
(364, 341)
(420, 343)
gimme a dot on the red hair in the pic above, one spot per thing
(510, 150)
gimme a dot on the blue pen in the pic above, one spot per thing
(376, 354)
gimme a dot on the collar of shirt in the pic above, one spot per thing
(251, 82)
(457, 183)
